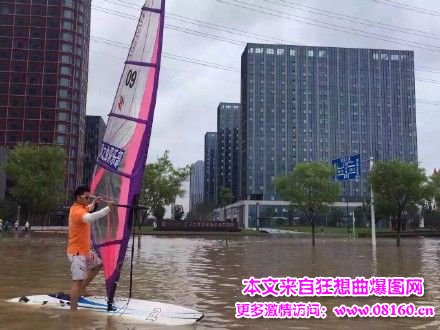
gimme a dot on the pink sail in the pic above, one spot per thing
(121, 162)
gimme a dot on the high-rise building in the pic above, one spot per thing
(95, 129)
(44, 47)
(210, 186)
(3, 159)
(304, 103)
(196, 184)
(227, 147)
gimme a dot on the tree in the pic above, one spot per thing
(162, 184)
(159, 212)
(225, 197)
(37, 173)
(309, 187)
(178, 212)
(397, 187)
(335, 217)
(202, 212)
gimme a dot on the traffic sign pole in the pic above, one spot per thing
(373, 216)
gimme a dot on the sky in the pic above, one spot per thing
(215, 32)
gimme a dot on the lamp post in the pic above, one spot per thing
(258, 216)
(18, 213)
(373, 216)
(347, 215)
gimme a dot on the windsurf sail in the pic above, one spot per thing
(121, 160)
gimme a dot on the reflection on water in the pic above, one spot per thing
(204, 274)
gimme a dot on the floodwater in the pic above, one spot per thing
(205, 274)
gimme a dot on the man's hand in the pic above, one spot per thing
(111, 205)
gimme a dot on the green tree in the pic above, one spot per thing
(225, 197)
(178, 212)
(162, 184)
(202, 212)
(37, 173)
(159, 212)
(310, 188)
(335, 216)
(434, 187)
(397, 187)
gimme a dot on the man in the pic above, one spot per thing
(85, 263)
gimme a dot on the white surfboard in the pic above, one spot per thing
(139, 310)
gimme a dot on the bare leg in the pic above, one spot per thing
(74, 294)
(91, 273)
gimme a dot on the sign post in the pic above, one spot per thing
(347, 168)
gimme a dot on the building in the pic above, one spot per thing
(3, 160)
(227, 148)
(304, 103)
(95, 129)
(44, 47)
(196, 184)
(210, 186)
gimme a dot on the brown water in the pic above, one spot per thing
(204, 274)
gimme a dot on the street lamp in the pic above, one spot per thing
(345, 199)
(258, 216)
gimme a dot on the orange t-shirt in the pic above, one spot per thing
(79, 231)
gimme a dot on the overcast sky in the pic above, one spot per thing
(189, 93)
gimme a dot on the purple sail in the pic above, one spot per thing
(121, 162)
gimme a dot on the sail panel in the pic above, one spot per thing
(121, 161)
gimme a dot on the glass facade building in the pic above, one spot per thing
(196, 184)
(44, 47)
(95, 129)
(304, 103)
(209, 188)
(227, 147)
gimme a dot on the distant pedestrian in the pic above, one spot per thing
(26, 226)
(1, 224)
(16, 225)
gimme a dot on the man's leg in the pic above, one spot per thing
(94, 265)
(78, 268)
(74, 294)
(91, 273)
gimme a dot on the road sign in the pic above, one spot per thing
(347, 168)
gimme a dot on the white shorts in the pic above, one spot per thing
(79, 265)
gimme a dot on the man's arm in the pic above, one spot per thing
(91, 217)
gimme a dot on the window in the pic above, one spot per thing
(66, 59)
(65, 82)
(61, 128)
(67, 47)
(67, 25)
(68, 14)
(66, 70)
(63, 93)
(68, 3)
(62, 116)
(62, 104)
(61, 139)
(66, 36)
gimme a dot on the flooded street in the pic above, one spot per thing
(204, 274)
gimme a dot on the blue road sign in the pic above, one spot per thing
(347, 168)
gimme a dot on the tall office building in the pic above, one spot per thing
(302, 103)
(196, 183)
(227, 147)
(95, 129)
(44, 47)
(3, 159)
(210, 186)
